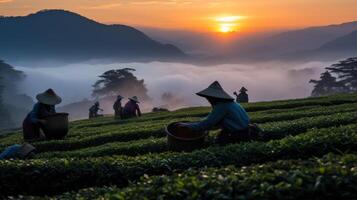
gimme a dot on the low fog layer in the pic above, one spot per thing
(269, 81)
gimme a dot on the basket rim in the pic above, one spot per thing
(185, 139)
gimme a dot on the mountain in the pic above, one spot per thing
(274, 47)
(63, 35)
(346, 43)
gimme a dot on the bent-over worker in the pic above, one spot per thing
(131, 108)
(43, 108)
(93, 110)
(226, 114)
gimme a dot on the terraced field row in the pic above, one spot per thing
(129, 159)
(314, 178)
(60, 175)
(148, 130)
(273, 130)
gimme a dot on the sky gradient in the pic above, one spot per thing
(199, 15)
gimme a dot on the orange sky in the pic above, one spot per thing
(199, 14)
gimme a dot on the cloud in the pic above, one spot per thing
(104, 6)
(6, 1)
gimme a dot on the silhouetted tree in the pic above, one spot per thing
(120, 81)
(346, 71)
(327, 85)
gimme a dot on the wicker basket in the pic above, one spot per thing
(56, 126)
(183, 140)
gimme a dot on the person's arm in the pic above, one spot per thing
(138, 110)
(216, 116)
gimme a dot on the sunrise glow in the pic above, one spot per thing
(228, 24)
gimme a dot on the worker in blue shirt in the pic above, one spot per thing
(226, 114)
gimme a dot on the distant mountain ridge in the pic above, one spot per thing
(64, 35)
(313, 39)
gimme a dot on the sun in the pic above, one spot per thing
(227, 28)
(228, 24)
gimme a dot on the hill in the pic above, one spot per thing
(299, 157)
(290, 43)
(57, 35)
(347, 43)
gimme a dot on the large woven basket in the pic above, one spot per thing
(56, 126)
(180, 140)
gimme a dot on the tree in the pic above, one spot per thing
(120, 81)
(346, 71)
(327, 85)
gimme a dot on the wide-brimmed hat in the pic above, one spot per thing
(243, 89)
(49, 97)
(215, 90)
(134, 98)
(25, 150)
(120, 97)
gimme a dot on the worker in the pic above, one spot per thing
(226, 114)
(131, 108)
(43, 108)
(118, 108)
(93, 110)
(242, 97)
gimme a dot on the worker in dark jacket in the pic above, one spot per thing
(93, 110)
(131, 108)
(242, 97)
(118, 108)
(42, 109)
(226, 114)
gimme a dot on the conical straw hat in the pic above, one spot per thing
(243, 89)
(135, 98)
(215, 90)
(49, 97)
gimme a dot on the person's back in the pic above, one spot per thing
(236, 118)
(230, 116)
(131, 108)
(118, 108)
(243, 97)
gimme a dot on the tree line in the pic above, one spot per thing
(338, 78)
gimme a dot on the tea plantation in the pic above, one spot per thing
(308, 151)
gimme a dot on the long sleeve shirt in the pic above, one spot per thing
(40, 111)
(131, 109)
(229, 116)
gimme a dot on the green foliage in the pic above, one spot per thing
(346, 71)
(128, 159)
(327, 85)
(69, 174)
(120, 81)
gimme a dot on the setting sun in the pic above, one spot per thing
(227, 24)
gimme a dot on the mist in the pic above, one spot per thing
(264, 81)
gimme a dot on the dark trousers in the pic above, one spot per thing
(227, 137)
(30, 130)
(251, 133)
(118, 114)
